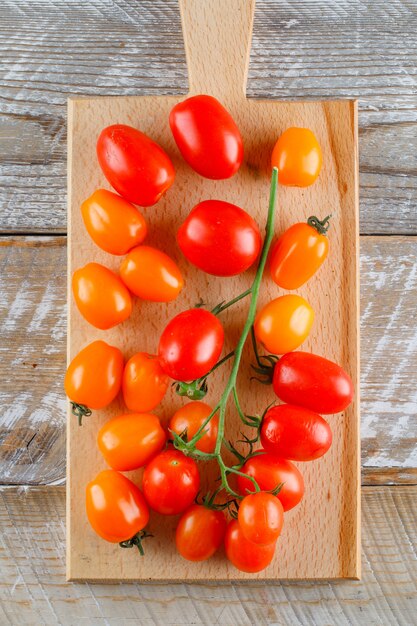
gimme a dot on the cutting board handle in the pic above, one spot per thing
(217, 38)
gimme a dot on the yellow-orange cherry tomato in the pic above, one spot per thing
(297, 155)
(128, 442)
(144, 382)
(112, 222)
(299, 253)
(151, 274)
(100, 295)
(284, 323)
(190, 417)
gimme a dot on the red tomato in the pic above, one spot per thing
(295, 433)
(190, 417)
(144, 383)
(269, 471)
(245, 555)
(261, 518)
(200, 532)
(151, 274)
(207, 136)
(135, 166)
(171, 482)
(297, 155)
(220, 238)
(191, 344)
(128, 442)
(312, 382)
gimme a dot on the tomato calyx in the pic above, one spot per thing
(321, 226)
(197, 389)
(80, 411)
(265, 363)
(136, 540)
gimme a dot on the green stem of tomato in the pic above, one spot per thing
(225, 305)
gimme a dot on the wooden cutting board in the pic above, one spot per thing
(321, 537)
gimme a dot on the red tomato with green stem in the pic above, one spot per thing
(190, 418)
(261, 518)
(151, 274)
(245, 555)
(200, 532)
(144, 383)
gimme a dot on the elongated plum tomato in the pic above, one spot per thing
(312, 382)
(128, 442)
(190, 418)
(284, 323)
(191, 344)
(299, 253)
(94, 376)
(245, 555)
(100, 295)
(261, 518)
(135, 165)
(171, 482)
(220, 238)
(112, 222)
(207, 136)
(144, 383)
(116, 508)
(151, 274)
(295, 433)
(297, 155)
(269, 471)
(200, 532)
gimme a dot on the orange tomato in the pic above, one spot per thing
(101, 297)
(151, 274)
(245, 555)
(284, 323)
(112, 222)
(261, 518)
(297, 155)
(200, 532)
(299, 253)
(190, 417)
(144, 382)
(128, 442)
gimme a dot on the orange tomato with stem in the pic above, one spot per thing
(297, 155)
(151, 274)
(200, 532)
(190, 418)
(144, 383)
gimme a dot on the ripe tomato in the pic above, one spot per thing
(297, 155)
(113, 223)
(135, 166)
(128, 442)
(101, 297)
(94, 376)
(245, 555)
(295, 433)
(261, 518)
(190, 417)
(284, 323)
(200, 532)
(269, 471)
(151, 274)
(207, 136)
(312, 382)
(191, 344)
(299, 253)
(171, 482)
(144, 383)
(220, 238)
(116, 508)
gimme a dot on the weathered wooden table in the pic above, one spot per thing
(301, 49)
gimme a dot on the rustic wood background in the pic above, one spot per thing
(301, 49)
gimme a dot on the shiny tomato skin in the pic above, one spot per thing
(295, 433)
(100, 295)
(130, 441)
(135, 165)
(144, 383)
(269, 471)
(245, 555)
(200, 532)
(94, 376)
(190, 417)
(171, 482)
(297, 155)
(112, 222)
(297, 255)
(261, 518)
(220, 238)
(312, 382)
(151, 274)
(283, 324)
(116, 508)
(191, 344)
(207, 137)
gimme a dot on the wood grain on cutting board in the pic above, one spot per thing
(321, 537)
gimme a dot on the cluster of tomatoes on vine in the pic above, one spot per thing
(220, 239)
